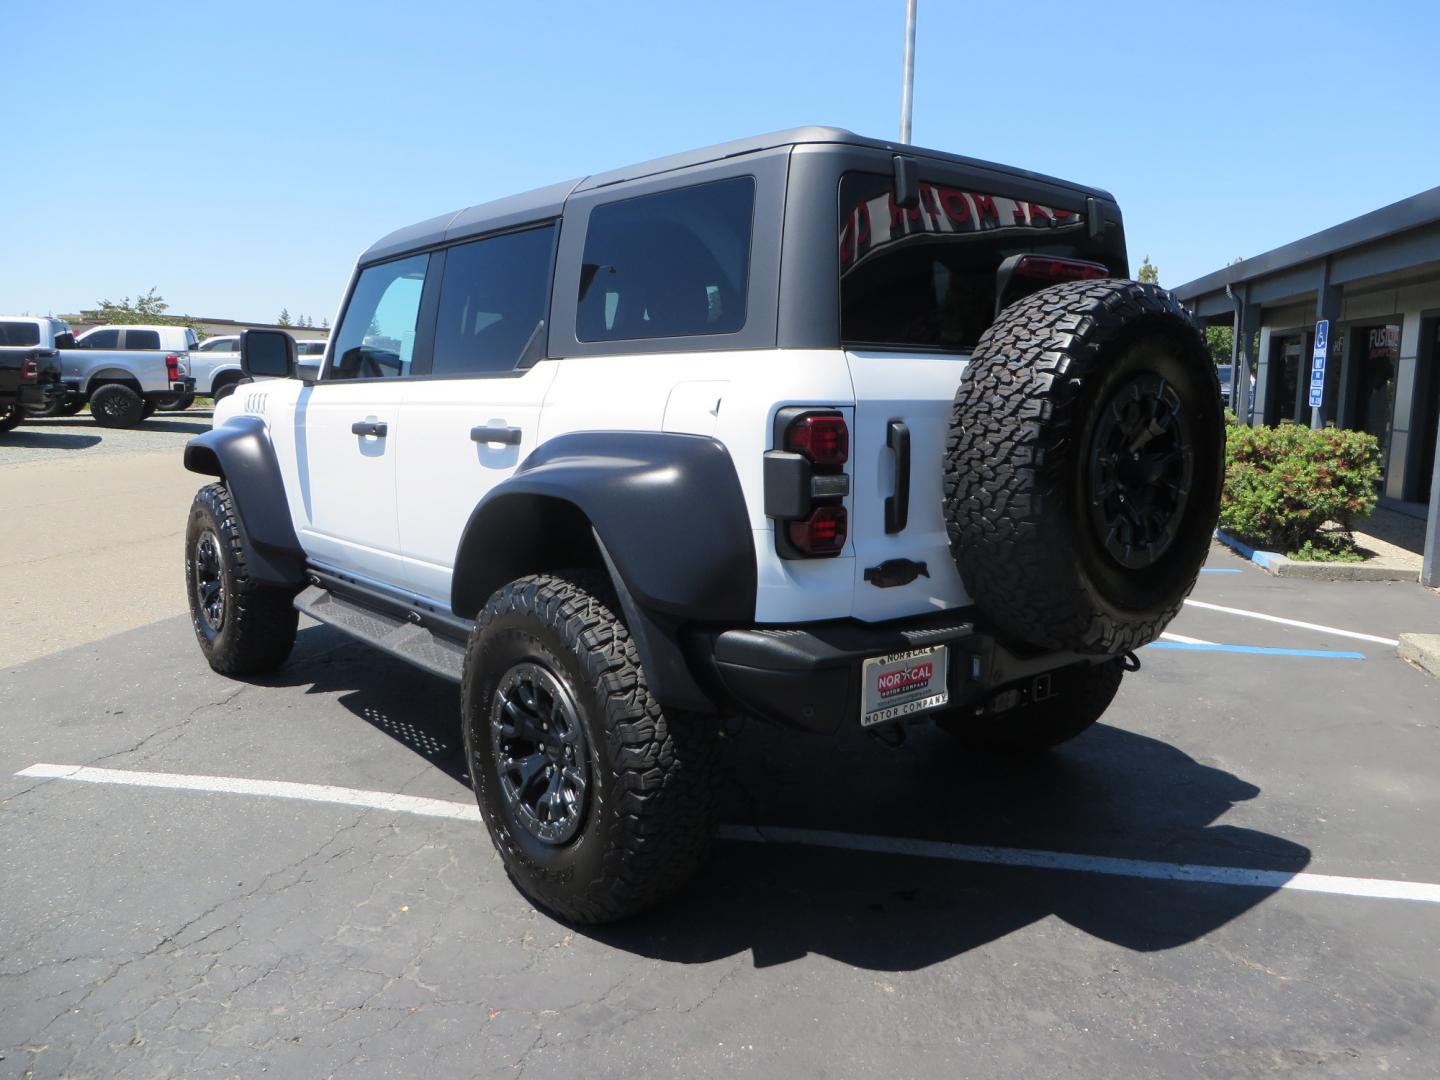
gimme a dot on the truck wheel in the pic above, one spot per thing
(116, 405)
(173, 402)
(10, 417)
(1078, 699)
(599, 804)
(243, 627)
(224, 389)
(1083, 466)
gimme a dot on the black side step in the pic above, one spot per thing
(398, 636)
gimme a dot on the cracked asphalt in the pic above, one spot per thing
(161, 933)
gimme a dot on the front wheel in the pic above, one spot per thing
(243, 627)
(599, 803)
(10, 416)
(1078, 698)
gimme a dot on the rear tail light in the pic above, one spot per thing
(172, 367)
(30, 370)
(822, 533)
(822, 438)
(806, 483)
(1055, 269)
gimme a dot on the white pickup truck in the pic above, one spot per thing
(216, 363)
(123, 372)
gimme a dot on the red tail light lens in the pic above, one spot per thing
(821, 437)
(30, 370)
(1053, 269)
(172, 367)
(822, 533)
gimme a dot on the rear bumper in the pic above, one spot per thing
(809, 676)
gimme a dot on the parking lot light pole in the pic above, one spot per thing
(907, 87)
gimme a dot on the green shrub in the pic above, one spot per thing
(1283, 483)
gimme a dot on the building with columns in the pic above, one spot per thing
(1376, 280)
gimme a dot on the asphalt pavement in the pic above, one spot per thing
(1197, 887)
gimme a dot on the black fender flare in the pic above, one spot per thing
(240, 453)
(664, 513)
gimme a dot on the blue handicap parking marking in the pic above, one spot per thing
(1255, 650)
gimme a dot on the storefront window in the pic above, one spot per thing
(1377, 350)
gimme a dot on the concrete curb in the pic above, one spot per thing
(1280, 566)
(1422, 650)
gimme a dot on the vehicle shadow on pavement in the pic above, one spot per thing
(1111, 793)
(180, 423)
(32, 439)
(419, 711)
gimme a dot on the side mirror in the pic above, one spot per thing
(267, 354)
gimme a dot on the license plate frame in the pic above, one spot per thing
(902, 684)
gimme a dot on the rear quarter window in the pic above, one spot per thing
(672, 264)
(142, 339)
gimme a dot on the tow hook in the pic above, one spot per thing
(893, 572)
(1132, 662)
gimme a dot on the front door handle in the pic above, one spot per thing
(378, 428)
(509, 436)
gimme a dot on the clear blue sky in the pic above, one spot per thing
(239, 157)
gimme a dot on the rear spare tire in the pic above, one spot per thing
(1083, 466)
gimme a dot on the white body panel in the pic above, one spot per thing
(918, 390)
(442, 473)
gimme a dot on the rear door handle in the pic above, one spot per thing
(509, 436)
(897, 506)
(378, 428)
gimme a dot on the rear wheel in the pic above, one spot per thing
(173, 402)
(116, 405)
(600, 804)
(1078, 698)
(243, 627)
(10, 416)
(224, 388)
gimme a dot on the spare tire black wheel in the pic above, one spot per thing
(116, 405)
(1083, 466)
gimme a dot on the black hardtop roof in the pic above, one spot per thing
(550, 201)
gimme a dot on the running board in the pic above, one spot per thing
(400, 637)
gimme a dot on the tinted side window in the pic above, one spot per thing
(492, 300)
(19, 333)
(142, 339)
(102, 339)
(672, 264)
(220, 344)
(376, 337)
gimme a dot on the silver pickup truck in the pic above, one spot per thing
(123, 385)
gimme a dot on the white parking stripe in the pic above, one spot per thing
(278, 789)
(1183, 640)
(1293, 622)
(1375, 888)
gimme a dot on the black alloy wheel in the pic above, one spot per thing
(209, 584)
(1141, 466)
(540, 752)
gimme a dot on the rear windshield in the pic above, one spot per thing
(19, 333)
(925, 278)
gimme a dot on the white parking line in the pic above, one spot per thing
(275, 789)
(1183, 640)
(1292, 622)
(1375, 888)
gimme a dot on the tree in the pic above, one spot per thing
(325, 322)
(283, 319)
(1149, 273)
(148, 307)
(1220, 340)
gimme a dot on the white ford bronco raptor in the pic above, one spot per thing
(808, 427)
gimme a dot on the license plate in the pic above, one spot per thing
(902, 684)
